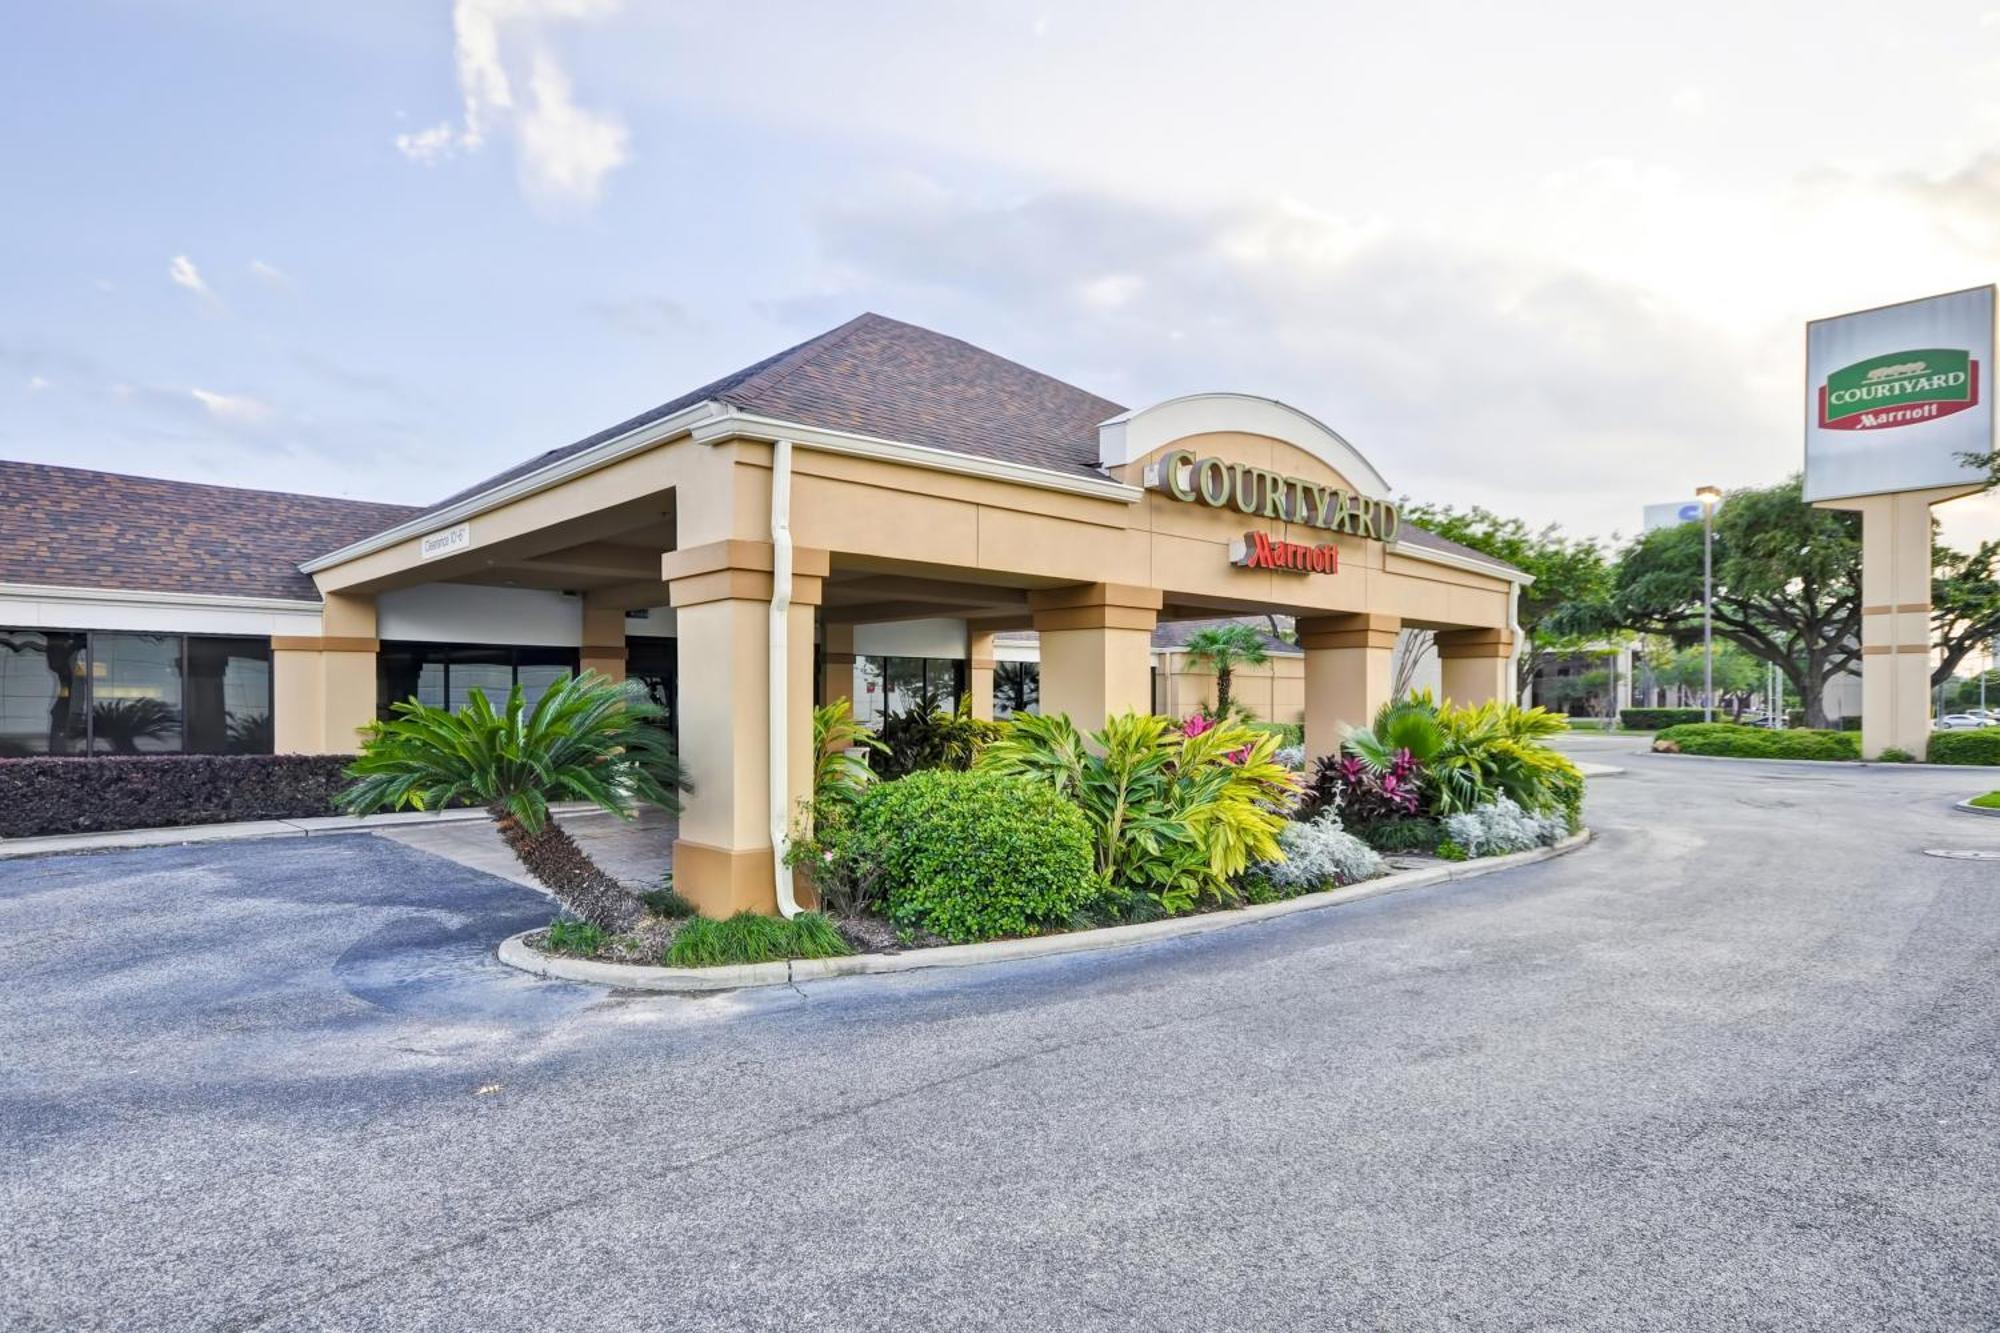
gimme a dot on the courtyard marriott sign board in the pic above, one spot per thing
(1896, 397)
(1262, 493)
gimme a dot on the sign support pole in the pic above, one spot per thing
(1896, 616)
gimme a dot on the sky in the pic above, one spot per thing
(1555, 260)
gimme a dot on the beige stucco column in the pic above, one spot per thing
(721, 594)
(603, 646)
(1475, 664)
(1097, 641)
(979, 662)
(1348, 674)
(837, 662)
(1896, 619)
(323, 686)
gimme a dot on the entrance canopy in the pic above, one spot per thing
(910, 475)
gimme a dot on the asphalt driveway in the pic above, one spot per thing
(1736, 1065)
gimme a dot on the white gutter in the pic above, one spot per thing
(52, 592)
(1514, 654)
(780, 673)
(731, 424)
(1476, 564)
(633, 441)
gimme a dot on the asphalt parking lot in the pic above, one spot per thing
(1735, 1065)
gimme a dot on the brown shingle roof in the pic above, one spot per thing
(879, 376)
(70, 527)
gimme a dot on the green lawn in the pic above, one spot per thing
(1990, 801)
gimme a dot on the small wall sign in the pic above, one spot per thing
(451, 539)
(1260, 550)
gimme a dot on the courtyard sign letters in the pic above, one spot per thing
(1259, 491)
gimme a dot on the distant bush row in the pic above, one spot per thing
(1739, 742)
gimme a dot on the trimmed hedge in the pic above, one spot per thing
(1964, 747)
(1736, 742)
(100, 793)
(1657, 719)
(974, 856)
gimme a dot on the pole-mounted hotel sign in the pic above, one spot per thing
(1262, 493)
(1898, 397)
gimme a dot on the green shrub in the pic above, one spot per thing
(1451, 851)
(749, 937)
(975, 856)
(1895, 755)
(664, 901)
(1728, 739)
(1657, 719)
(577, 937)
(1965, 747)
(1390, 836)
(1288, 733)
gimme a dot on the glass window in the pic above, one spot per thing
(488, 670)
(655, 663)
(1017, 688)
(44, 692)
(444, 675)
(228, 696)
(888, 685)
(135, 693)
(538, 668)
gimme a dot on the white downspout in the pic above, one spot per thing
(780, 673)
(1514, 655)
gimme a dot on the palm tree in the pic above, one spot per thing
(586, 738)
(1224, 648)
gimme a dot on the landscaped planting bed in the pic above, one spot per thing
(1038, 830)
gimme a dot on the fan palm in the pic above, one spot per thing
(586, 738)
(1223, 648)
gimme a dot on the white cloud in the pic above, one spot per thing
(235, 409)
(271, 275)
(37, 383)
(184, 274)
(565, 151)
(1690, 101)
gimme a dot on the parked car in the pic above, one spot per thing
(1962, 722)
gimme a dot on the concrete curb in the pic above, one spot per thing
(1971, 809)
(626, 976)
(317, 825)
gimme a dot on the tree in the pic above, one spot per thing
(1224, 648)
(1787, 587)
(1567, 570)
(1965, 604)
(1736, 674)
(586, 738)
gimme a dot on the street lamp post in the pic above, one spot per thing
(1708, 495)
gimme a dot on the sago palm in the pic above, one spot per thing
(586, 738)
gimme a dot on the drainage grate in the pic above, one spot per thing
(1951, 854)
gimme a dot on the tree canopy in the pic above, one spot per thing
(1567, 570)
